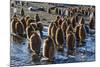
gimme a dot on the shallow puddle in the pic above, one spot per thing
(20, 54)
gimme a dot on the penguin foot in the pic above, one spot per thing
(35, 58)
(60, 48)
(71, 52)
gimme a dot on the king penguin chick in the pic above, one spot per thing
(70, 42)
(59, 38)
(48, 49)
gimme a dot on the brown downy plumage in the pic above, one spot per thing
(59, 38)
(19, 27)
(29, 31)
(68, 21)
(28, 22)
(69, 28)
(49, 49)
(53, 33)
(82, 33)
(57, 21)
(60, 22)
(24, 22)
(49, 28)
(13, 23)
(76, 19)
(81, 21)
(92, 23)
(73, 22)
(27, 17)
(64, 26)
(35, 43)
(34, 25)
(70, 39)
(77, 32)
(39, 26)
